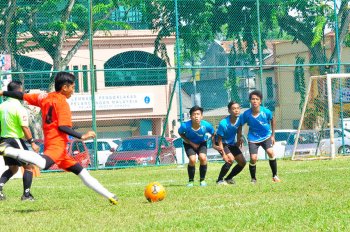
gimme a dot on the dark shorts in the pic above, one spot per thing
(191, 151)
(233, 149)
(15, 143)
(253, 147)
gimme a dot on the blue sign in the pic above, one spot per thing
(147, 99)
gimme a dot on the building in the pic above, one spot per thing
(278, 82)
(132, 98)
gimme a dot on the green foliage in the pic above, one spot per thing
(319, 30)
(194, 29)
(347, 40)
(311, 197)
(67, 19)
(299, 76)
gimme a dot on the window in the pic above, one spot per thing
(95, 74)
(164, 142)
(177, 142)
(281, 136)
(135, 68)
(132, 16)
(36, 80)
(76, 74)
(103, 146)
(296, 124)
(347, 68)
(85, 79)
(81, 147)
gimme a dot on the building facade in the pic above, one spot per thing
(132, 97)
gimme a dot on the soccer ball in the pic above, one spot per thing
(154, 192)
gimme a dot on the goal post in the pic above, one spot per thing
(321, 132)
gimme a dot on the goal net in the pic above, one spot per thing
(322, 133)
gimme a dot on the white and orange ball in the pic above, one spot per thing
(155, 192)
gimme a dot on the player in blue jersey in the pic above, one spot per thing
(194, 133)
(261, 133)
(228, 146)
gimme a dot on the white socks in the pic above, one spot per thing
(26, 156)
(92, 183)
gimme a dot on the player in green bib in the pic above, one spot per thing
(15, 128)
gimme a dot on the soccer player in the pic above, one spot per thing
(261, 133)
(228, 146)
(14, 127)
(57, 125)
(194, 133)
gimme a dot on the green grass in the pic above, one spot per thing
(314, 196)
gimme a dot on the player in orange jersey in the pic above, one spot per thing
(57, 125)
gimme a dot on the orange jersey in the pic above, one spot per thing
(55, 112)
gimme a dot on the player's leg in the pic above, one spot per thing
(241, 162)
(6, 176)
(22, 155)
(89, 180)
(27, 183)
(191, 167)
(202, 156)
(224, 170)
(27, 174)
(253, 150)
(226, 167)
(267, 145)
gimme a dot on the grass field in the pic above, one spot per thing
(314, 196)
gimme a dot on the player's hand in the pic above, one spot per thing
(226, 158)
(218, 148)
(239, 143)
(88, 135)
(273, 139)
(35, 147)
(1, 92)
(194, 145)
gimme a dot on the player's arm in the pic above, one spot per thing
(65, 122)
(223, 154)
(14, 94)
(29, 138)
(23, 121)
(216, 147)
(273, 126)
(69, 131)
(221, 146)
(239, 137)
(186, 140)
(182, 133)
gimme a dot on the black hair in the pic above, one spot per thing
(63, 78)
(231, 103)
(195, 108)
(257, 93)
(14, 86)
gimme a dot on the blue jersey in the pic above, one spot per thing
(228, 131)
(259, 126)
(196, 136)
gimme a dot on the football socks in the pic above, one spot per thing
(191, 171)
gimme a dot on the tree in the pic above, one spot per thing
(194, 28)
(307, 22)
(51, 23)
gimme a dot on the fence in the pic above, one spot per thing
(140, 65)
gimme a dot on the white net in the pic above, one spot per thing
(323, 130)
